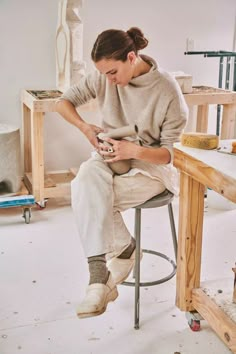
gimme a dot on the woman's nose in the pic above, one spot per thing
(111, 79)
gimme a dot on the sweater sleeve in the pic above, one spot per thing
(174, 123)
(82, 92)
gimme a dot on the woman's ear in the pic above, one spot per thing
(131, 56)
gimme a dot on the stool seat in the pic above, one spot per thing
(162, 199)
(157, 201)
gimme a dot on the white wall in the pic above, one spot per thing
(27, 45)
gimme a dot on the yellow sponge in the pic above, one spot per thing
(200, 140)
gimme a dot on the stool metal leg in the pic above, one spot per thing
(137, 267)
(136, 273)
(173, 231)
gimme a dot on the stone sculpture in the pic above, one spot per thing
(9, 159)
(69, 44)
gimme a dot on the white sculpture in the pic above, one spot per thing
(9, 159)
(69, 44)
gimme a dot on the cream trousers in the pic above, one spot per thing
(99, 197)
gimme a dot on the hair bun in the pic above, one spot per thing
(138, 37)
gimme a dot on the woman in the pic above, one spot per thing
(130, 90)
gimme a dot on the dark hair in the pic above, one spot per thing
(116, 44)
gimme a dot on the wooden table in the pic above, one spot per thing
(35, 103)
(200, 168)
(202, 97)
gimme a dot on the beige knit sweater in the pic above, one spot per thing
(152, 101)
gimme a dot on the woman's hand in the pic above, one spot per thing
(91, 131)
(118, 150)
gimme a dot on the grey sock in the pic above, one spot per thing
(98, 269)
(126, 254)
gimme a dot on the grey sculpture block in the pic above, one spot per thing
(9, 159)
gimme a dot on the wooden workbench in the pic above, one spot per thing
(40, 184)
(36, 103)
(200, 168)
(202, 97)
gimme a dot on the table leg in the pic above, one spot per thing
(191, 208)
(37, 155)
(202, 118)
(228, 121)
(26, 139)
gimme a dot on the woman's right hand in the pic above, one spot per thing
(91, 131)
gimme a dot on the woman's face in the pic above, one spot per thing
(118, 72)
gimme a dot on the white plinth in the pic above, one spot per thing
(9, 159)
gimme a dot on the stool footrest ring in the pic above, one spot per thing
(159, 281)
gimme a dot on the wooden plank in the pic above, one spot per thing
(27, 138)
(27, 179)
(63, 190)
(49, 182)
(208, 176)
(27, 99)
(190, 240)
(217, 319)
(44, 106)
(209, 95)
(202, 118)
(234, 292)
(228, 121)
(209, 99)
(37, 146)
(23, 190)
(60, 177)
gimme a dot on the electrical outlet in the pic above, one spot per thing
(189, 45)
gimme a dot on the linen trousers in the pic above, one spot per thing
(98, 199)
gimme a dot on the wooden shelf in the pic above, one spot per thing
(56, 183)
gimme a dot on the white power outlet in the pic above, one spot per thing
(189, 45)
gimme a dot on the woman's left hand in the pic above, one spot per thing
(118, 150)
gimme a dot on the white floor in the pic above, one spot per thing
(44, 275)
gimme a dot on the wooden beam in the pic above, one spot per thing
(63, 190)
(37, 146)
(203, 95)
(27, 179)
(228, 122)
(190, 240)
(202, 118)
(27, 139)
(217, 319)
(220, 183)
(234, 292)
